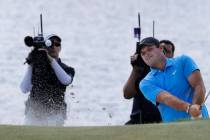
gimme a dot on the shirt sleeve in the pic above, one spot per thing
(70, 71)
(189, 66)
(63, 77)
(26, 84)
(150, 90)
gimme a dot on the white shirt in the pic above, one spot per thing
(63, 77)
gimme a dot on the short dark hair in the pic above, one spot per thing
(148, 41)
(53, 36)
(168, 42)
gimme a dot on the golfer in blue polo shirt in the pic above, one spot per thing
(175, 85)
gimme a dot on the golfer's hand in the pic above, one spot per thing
(195, 111)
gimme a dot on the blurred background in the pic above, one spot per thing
(97, 41)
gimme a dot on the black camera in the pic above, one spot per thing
(37, 42)
(139, 61)
(138, 48)
(137, 34)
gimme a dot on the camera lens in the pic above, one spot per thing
(29, 41)
(48, 43)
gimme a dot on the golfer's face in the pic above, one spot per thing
(150, 55)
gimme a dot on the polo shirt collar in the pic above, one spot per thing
(169, 63)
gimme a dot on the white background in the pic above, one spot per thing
(97, 41)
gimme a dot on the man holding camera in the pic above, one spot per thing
(46, 78)
(143, 111)
(174, 85)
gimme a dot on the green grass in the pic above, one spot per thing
(192, 130)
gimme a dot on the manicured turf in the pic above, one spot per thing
(189, 130)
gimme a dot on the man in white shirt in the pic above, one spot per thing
(46, 79)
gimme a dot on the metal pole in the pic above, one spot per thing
(139, 18)
(41, 24)
(153, 29)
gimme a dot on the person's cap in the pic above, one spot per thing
(149, 41)
(53, 36)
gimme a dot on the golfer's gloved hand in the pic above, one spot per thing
(195, 111)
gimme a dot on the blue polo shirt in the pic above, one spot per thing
(173, 79)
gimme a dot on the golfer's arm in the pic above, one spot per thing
(196, 81)
(172, 101)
